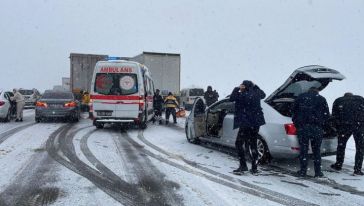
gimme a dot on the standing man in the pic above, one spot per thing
(20, 102)
(210, 96)
(248, 118)
(157, 106)
(310, 113)
(348, 114)
(171, 104)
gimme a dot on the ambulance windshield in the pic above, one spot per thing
(116, 83)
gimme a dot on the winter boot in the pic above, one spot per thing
(254, 171)
(358, 172)
(301, 173)
(242, 168)
(336, 166)
(319, 175)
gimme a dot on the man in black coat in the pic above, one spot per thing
(348, 115)
(157, 106)
(248, 118)
(210, 96)
(310, 114)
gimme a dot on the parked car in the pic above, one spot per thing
(277, 138)
(189, 95)
(30, 96)
(6, 109)
(57, 104)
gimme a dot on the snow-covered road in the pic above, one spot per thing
(75, 164)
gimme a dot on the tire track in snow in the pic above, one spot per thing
(61, 149)
(151, 181)
(217, 177)
(5, 135)
(325, 182)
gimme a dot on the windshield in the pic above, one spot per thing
(196, 92)
(25, 91)
(57, 95)
(116, 83)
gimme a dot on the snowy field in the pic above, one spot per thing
(75, 164)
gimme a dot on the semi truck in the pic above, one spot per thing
(164, 67)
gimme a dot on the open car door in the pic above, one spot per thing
(196, 121)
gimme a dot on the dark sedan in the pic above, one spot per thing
(57, 104)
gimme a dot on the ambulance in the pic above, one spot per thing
(121, 93)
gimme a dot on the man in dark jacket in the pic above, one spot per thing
(248, 118)
(157, 106)
(210, 96)
(310, 114)
(348, 115)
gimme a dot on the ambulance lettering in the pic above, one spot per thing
(116, 70)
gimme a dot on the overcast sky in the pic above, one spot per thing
(221, 42)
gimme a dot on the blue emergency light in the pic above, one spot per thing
(113, 58)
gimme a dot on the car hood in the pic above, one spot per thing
(302, 79)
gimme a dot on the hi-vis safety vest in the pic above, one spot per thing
(171, 102)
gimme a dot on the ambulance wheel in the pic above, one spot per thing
(98, 125)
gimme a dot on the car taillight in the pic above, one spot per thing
(2, 103)
(290, 129)
(41, 104)
(70, 104)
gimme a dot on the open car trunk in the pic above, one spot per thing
(300, 81)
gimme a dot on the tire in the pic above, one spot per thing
(8, 117)
(190, 139)
(264, 156)
(98, 125)
(143, 124)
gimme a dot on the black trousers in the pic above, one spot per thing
(157, 115)
(247, 136)
(169, 111)
(307, 133)
(344, 133)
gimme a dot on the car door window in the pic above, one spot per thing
(224, 105)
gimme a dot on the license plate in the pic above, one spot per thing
(104, 113)
(56, 105)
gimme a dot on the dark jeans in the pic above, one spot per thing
(170, 111)
(344, 133)
(247, 136)
(307, 133)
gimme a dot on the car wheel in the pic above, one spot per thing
(8, 117)
(263, 151)
(189, 138)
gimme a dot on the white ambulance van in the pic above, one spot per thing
(121, 92)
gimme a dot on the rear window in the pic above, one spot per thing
(116, 83)
(298, 88)
(196, 92)
(57, 95)
(26, 92)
